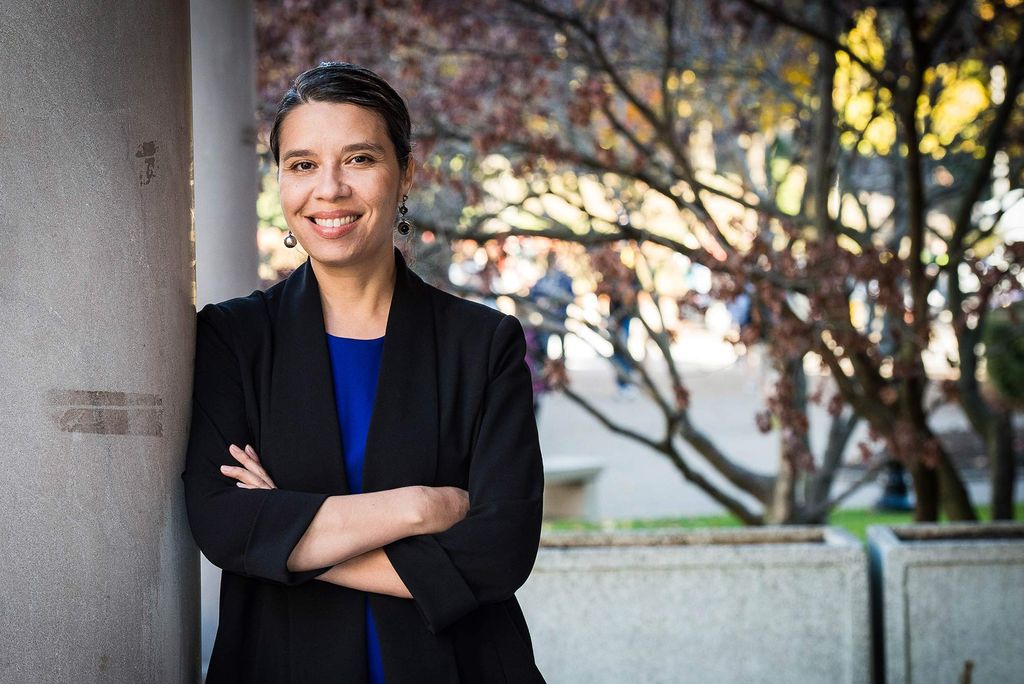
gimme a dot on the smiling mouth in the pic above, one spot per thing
(334, 222)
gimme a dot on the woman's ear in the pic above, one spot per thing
(410, 170)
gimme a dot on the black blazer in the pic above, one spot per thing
(453, 407)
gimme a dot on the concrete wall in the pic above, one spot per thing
(98, 572)
(727, 606)
(945, 595)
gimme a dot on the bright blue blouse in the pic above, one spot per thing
(355, 364)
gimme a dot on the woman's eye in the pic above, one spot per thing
(361, 159)
(302, 166)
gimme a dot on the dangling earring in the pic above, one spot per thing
(404, 227)
(290, 241)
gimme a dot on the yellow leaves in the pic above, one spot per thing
(791, 191)
(954, 96)
(863, 40)
(929, 143)
(797, 75)
(538, 124)
(959, 105)
(675, 82)
(448, 68)
(881, 133)
(855, 95)
(924, 105)
(606, 137)
(684, 109)
(878, 128)
(859, 109)
(956, 116)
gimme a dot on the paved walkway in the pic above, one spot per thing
(725, 395)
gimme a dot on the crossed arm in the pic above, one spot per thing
(349, 532)
(427, 542)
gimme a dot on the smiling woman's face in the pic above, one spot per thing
(340, 183)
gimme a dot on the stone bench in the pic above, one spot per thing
(569, 487)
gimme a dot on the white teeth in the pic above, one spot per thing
(335, 223)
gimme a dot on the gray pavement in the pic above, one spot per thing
(726, 393)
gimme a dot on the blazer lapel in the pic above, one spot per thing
(303, 418)
(402, 444)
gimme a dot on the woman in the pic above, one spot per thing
(363, 461)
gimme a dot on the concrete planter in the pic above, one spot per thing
(946, 595)
(783, 604)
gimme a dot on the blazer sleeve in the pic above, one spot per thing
(250, 532)
(487, 556)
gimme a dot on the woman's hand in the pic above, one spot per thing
(251, 474)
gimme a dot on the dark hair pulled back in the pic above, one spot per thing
(345, 83)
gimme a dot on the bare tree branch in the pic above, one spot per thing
(730, 503)
(869, 475)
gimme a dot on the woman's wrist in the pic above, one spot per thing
(420, 508)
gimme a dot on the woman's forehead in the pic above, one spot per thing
(332, 124)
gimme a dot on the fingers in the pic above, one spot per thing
(252, 453)
(252, 473)
(246, 479)
(251, 461)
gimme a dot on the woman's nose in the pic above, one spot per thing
(332, 184)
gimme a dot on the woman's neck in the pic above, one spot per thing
(356, 300)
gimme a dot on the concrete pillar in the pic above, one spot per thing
(227, 182)
(98, 571)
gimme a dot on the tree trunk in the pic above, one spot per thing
(926, 492)
(999, 448)
(809, 515)
(780, 510)
(818, 486)
(939, 487)
(954, 499)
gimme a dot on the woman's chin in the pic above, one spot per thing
(337, 255)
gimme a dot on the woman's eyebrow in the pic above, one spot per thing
(351, 147)
(365, 145)
(296, 153)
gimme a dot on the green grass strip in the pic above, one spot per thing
(855, 520)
